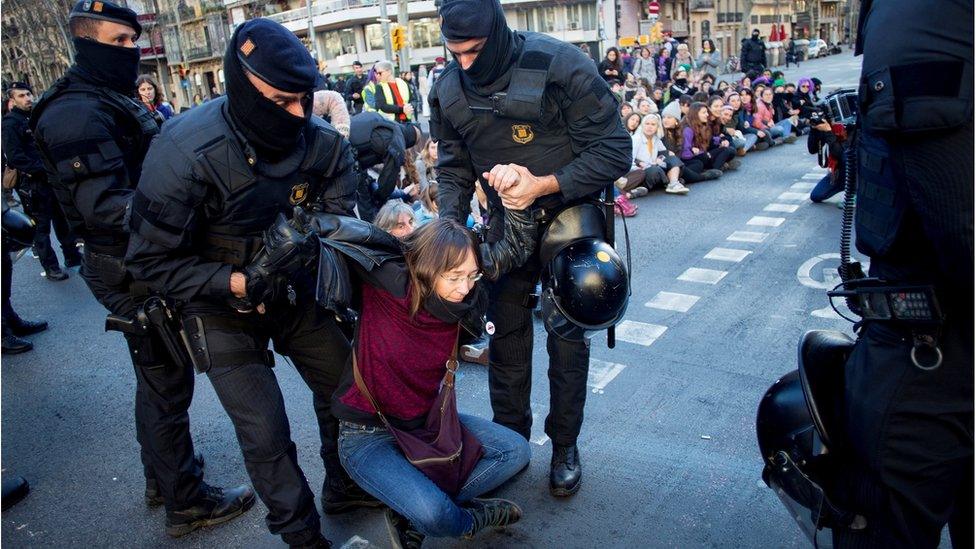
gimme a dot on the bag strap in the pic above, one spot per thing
(449, 375)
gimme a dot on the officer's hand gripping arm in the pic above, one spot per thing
(288, 247)
(515, 247)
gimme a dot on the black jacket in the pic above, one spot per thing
(18, 143)
(377, 140)
(356, 85)
(753, 53)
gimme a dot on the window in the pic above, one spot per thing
(374, 36)
(425, 33)
(706, 29)
(526, 20)
(548, 19)
(338, 42)
(581, 17)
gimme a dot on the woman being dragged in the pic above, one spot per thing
(693, 170)
(699, 144)
(414, 307)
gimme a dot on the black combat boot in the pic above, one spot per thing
(566, 472)
(492, 513)
(15, 489)
(340, 493)
(55, 274)
(13, 345)
(402, 533)
(23, 327)
(214, 506)
(153, 497)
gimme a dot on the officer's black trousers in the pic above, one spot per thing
(249, 392)
(510, 372)
(44, 208)
(164, 390)
(911, 435)
(9, 316)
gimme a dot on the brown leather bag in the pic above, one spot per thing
(9, 178)
(442, 449)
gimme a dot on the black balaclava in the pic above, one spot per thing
(273, 54)
(114, 67)
(467, 19)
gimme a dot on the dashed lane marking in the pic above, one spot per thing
(702, 276)
(784, 208)
(727, 254)
(639, 332)
(670, 301)
(792, 196)
(538, 423)
(762, 221)
(746, 236)
(803, 186)
(602, 373)
(813, 176)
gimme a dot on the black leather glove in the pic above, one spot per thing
(515, 247)
(288, 247)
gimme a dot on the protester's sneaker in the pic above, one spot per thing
(675, 187)
(637, 192)
(491, 513)
(731, 165)
(214, 506)
(777, 141)
(760, 146)
(709, 175)
(402, 533)
(478, 354)
(623, 207)
(741, 151)
(789, 139)
(153, 496)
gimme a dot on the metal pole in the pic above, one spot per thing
(311, 32)
(385, 26)
(403, 19)
(179, 44)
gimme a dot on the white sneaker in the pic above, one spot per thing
(676, 187)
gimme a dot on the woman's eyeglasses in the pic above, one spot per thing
(456, 279)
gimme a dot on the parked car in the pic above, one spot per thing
(817, 48)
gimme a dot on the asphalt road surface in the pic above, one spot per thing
(725, 281)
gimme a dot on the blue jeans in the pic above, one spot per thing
(826, 188)
(373, 459)
(782, 128)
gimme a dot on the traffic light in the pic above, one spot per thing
(399, 38)
(656, 34)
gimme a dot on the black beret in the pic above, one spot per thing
(273, 54)
(20, 86)
(465, 19)
(106, 11)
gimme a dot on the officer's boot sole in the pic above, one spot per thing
(338, 508)
(566, 492)
(180, 530)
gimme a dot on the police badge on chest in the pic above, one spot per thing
(522, 133)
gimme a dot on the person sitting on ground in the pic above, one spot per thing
(663, 62)
(723, 125)
(396, 218)
(413, 310)
(427, 205)
(692, 171)
(783, 107)
(763, 118)
(625, 110)
(611, 68)
(722, 87)
(699, 97)
(633, 123)
(646, 107)
(678, 108)
(756, 140)
(657, 96)
(653, 165)
(698, 142)
(630, 87)
(426, 164)
(680, 85)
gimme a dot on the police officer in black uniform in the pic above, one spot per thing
(93, 138)
(210, 231)
(377, 140)
(909, 419)
(530, 117)
(39, 202)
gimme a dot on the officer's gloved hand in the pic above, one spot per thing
(515, 247)
(288, 247)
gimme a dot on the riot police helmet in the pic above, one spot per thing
(18, 229)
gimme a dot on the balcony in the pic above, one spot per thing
(676, 28)
(199, 53)
(701, 5)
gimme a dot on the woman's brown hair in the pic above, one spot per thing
(148, 79)
(701, 130)
(432, 250)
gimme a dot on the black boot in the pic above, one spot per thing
(13, 345)
(340, 493)
(55, 274)
(402, 533)
(15, 489)
(25, 327)
(566, 472)
(214, 506)
(492, 513)
(153, 496)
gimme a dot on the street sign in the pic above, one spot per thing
(644, 39)
(653, 9)
(627, 41)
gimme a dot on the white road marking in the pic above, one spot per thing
(602, 373)
(538, 422)
(827, 312)
(356, 542)
(784, 208)
(793, 196)
(702, 276)
(727, 254)
(746, 236)
(762, 221)
(670, 301)
(803, 273)
(639, 332)
(803, 186)
(813, 176)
